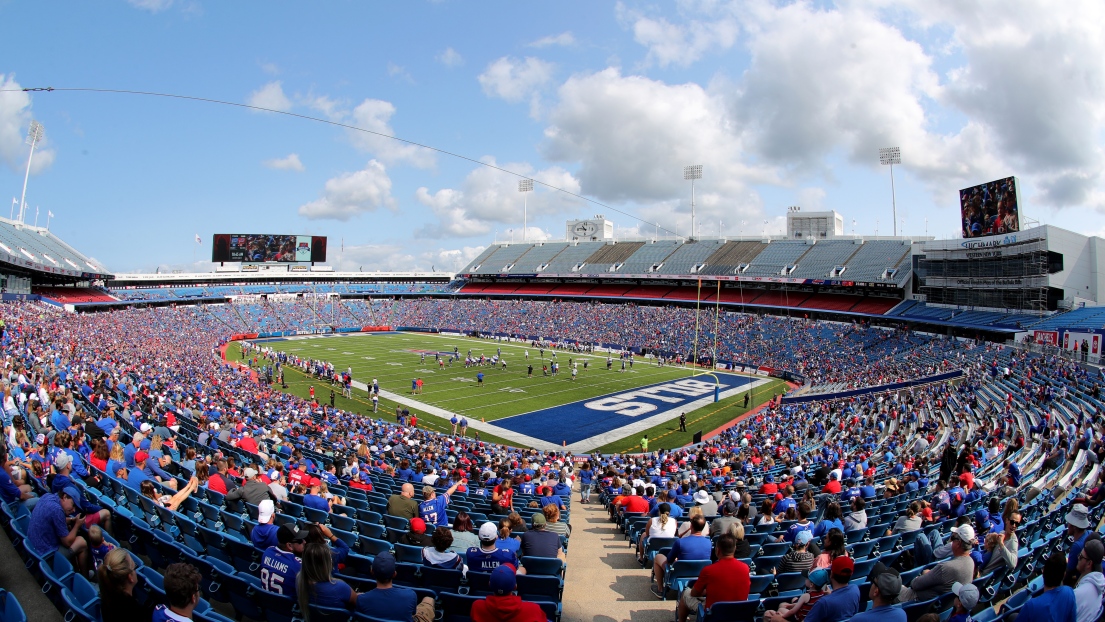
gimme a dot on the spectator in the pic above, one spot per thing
(1057, 603)
(553, 522)
(280, 564)
(253, 490)
(502, 604)
(488, 556)
(938, 580)
(506, 541)
(463, 536)
(797, 609)
(392, 602)
(910, 521)
(182, 589)
(433, 508)
(883, 594)
(685, 528)
(438, 554)
(166, 501)
(9, 491)
(403, 504)
(117, 578)
(416, 534)
(705, 502)
(51, 529)
(264, 533)
(843, 602)
(1078, 530)
(798, 558)
(316, 585)
(1091, 584)
(966, 598)
(857, 517)
(695, 546)
(538, 542)
(727, 579)
(661, 526)
(830, 521)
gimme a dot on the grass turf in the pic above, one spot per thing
(395, 360)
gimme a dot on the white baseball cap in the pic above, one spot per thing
(489, 532)
(265, 510)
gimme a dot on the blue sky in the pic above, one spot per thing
(784, 103)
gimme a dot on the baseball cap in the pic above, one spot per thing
(502, 580)
(889, 584)
(265, 510)
(40, 439)
(967, 593)
(803, 537)
(819, 577)
(383, 566)
(274, 475)
(1094, 550)
(74, 494)
(843, 566)
(488, 532)
(965, 534)
(287, 534)
(250, 473)
(539, 519)
(418, 525)
(141, 456)
(62, 461)
(145, 427)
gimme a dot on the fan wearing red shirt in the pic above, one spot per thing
(727, 579)
(833, 486)
(635, 503)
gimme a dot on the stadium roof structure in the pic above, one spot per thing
(28, 249)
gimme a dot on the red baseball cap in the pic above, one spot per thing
(141, 456)
(418, 525)
(842, 565)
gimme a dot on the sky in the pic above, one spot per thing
(783, 103)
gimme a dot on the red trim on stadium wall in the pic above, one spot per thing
(375, 329)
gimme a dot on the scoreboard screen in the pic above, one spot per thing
(268, 248)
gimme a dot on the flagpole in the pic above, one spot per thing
(49, 215)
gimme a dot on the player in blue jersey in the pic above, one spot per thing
(487, 556)
(432, 509)
(280, 564)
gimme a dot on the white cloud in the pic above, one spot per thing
(683, 44)
(15, 120)
(289, 162)
(271, 97)
(375, 115)
(450, 58)
(398, 71)
(632, 136)
(398, 258)
(352, 194)
(489, 197)
(517, 80)
(153, 6)
(271, 69)
(563, 39)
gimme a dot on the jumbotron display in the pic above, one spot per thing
(991, 208)
(268, 248)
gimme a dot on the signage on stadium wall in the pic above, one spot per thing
(1046, 337)
(1073, 341)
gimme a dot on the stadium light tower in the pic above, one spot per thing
(34, 135)
(891, 156)
(524, 186)
(692, 173)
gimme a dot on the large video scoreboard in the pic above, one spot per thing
(268, 248)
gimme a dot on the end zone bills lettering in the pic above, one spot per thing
(627, 403)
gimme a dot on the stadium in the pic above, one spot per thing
(802, 423)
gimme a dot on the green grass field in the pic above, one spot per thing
(395, 360)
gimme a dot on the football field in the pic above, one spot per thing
(605, 409)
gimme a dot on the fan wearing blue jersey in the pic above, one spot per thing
(433, 507)
(488, 556)
(280, 564)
